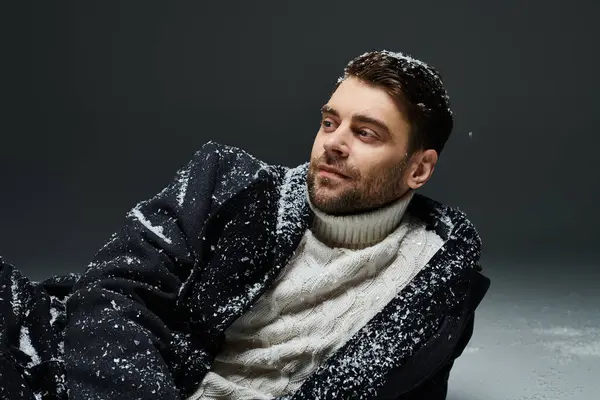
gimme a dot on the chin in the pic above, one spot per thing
(326, 190)
(321, 195)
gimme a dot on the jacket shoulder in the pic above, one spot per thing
(449, 222)
(443, 218)
(232, 169)
(229, 157)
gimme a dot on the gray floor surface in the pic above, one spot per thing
(537, 336)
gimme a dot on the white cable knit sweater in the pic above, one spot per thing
(345, 270)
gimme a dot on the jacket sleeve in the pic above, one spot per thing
(436, 386)
(124, 339)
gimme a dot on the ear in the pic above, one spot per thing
(421, 168)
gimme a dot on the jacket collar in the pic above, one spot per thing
(294, 215)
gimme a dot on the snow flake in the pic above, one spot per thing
(157, 230)
(54, 314)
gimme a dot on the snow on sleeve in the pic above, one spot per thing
(157, 230)
(15, 301)
(183, 178)
(26, 347)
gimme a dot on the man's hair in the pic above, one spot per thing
(416, 88)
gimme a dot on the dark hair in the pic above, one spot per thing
(416, 88)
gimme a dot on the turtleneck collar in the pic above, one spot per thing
(360, 230)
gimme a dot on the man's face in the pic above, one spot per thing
(364, 136)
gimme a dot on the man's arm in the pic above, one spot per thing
(122, 338)
(436, 386)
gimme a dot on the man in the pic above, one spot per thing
(241, 280)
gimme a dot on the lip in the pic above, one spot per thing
(331, 171)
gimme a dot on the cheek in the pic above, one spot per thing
(373, 171)
(368, 167)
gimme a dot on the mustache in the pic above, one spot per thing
(344, 169)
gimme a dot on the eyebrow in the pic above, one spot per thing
(358, 117)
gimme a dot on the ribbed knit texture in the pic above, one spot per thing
(359, 230)
(323, 297)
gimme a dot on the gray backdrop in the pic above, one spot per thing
(106, 100)
(123, 92)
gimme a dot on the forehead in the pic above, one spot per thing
(354, 96)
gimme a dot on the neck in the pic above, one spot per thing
(359, 230)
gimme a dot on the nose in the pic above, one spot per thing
(336, 143)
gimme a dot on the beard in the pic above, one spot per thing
(357, 193)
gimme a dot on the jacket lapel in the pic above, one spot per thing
(294, 216)
(246, 248)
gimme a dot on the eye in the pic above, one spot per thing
(327, 123)
(364, 134)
